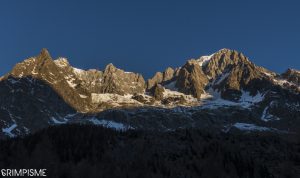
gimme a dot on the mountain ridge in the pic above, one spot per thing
(226, 80)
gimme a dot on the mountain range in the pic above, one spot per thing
(225, 92)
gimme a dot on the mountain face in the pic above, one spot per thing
(191, 79)
(43, 68)
(227, 71)
(220, 91)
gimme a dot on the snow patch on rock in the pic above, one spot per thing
(8, 130)
(78, 71)
(266, 116)
(114, 99)
(55, 121)
(221, 78)
(170, 93)
(203, 60)
(212, 100)
(110, 124)
(83, 96)
(246, 97)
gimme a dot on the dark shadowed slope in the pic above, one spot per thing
(90, 151)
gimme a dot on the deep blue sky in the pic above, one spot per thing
(148, 36)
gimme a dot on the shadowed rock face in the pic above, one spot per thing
(30, 104)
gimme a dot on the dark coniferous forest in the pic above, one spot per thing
(91, 151)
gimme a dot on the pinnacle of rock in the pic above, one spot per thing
(44, 55)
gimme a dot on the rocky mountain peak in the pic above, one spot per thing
(168, 74)
(110, 68)
(191, 79)
(225, 50)
(222, 60)
(226, 71)
(120, 82)
(35, 66)
(44, 55)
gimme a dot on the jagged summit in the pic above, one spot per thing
(110, 66)
(204, 60)
(44, 54)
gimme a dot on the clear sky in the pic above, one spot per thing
(148, 36)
